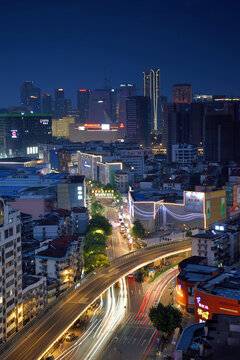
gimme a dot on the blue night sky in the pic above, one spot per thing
(68, 44)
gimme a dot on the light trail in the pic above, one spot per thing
(101, 329)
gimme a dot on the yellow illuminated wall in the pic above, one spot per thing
(60, 127)
(215, 206)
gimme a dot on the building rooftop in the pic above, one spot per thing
(218, 339)
(225, 285)
(58, 248)
(210, 235)
(195, 260)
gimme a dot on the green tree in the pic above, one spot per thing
(137, 231)
(188, 233)
(97, 208)
(94, 261)
(108, 187)
(94, 243)
(100, 222)
(165, 318)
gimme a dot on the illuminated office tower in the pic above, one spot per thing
(151, 89)
(30, 96)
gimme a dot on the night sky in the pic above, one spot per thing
(69, 44)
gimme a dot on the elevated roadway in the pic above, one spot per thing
(34, 341)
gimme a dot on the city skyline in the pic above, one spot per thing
(78, 44)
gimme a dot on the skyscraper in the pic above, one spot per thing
(151, 89)
(138, 119)
(30, 96)
(100, 110)
(46, 104)
(182, 93)
(59, 110)
(176, 129)
(126, 90)
(219, 137)
(83, 104)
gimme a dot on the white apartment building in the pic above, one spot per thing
(184, 153)
(60, 260)
(11, 309)
(219, 247)
(34, 296)
(121, 181)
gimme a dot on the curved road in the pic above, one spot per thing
(34, 343)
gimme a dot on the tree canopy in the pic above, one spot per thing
(137, 231)
(165, 318)
(100, 222)
(97, 208)
(94, 261)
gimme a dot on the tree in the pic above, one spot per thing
(97, 208)
(94, 243)
(94, 261)
(165, 318)
(100, 222)
(137, 231)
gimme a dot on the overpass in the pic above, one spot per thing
(34, 340)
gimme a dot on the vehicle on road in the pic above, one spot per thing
(130, 276)
(70, 337)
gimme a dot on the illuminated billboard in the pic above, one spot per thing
(194, 201)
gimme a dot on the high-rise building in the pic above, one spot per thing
(100, 110)
(11, 309)
(151, 89)
(59, 103)
(20, 134)
(138, 119)
(46, 104)
(182, 93)
(176, 129)
(126, 90)
(219, 137)
(83, 104)
(30, 96)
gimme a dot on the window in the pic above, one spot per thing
(9, 244)
(10, 232)
(10, 253)
(18, 228)
(6, 234)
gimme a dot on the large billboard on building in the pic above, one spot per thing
(215, 206)
(193, 201)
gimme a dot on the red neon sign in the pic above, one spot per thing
(121, 125)
(83, 90)
(92, 125)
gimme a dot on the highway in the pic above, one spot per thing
(52, 326)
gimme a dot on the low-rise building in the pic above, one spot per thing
(191, 273)
(219, 247)
(184, 153)
(79, 220)
(122, 181)
(72, 193)
(60, 259)
(217, 338)
(34, 296)
(220, 294)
